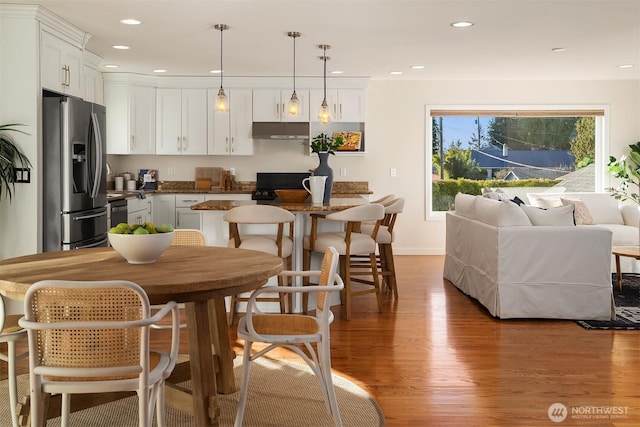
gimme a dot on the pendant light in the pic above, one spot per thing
(294, 105)
(222, 104)
(324, 116)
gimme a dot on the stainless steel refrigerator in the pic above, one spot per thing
(75, 178)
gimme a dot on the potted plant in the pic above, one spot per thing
(627, 169)
(11, 158)
(322, 143)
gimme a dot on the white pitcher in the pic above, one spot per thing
(315, 188)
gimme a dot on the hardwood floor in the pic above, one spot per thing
(437, 358)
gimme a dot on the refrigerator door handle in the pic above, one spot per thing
(96, 215)
(97, 141)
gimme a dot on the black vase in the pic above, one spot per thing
(324, 169)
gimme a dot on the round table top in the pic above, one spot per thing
(181, 273)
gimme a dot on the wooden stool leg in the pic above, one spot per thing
(345, 272)
(391, 269)
(376, 279)
(306, 265)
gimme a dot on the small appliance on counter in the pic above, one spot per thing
(268, 182)
(148, 179)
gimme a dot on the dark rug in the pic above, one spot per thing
(627, 306)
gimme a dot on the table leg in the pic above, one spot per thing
(618, 273)
(226, 381)
(206, 409)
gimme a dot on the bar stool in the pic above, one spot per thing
(348, 242)
(280, 243)
(384, 239)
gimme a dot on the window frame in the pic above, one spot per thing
(602, 139)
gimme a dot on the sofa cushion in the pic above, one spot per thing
(499, 213)
(558, 216)
(495, 194)
(581, 214)
(603, 207)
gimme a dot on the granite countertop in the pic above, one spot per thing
(341, 189)
(335, 204)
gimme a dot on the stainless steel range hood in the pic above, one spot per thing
(280, 130)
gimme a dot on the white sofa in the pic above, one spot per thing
(519, 270)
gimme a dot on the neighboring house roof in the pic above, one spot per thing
(580, 180)
(493, 158)
(515, 174)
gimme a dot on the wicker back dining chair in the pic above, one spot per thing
(11, 333)
(279, 242)
(292, 331)
(93, 337)
(188, 237)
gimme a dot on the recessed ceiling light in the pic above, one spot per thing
(337, 72)
(121, 47)
(159, 71)
(130, 21)
(461, 24)
(111, 66)
(395, 73)
(215, 71)
(417, 67)
(558, 49)
(626, 66)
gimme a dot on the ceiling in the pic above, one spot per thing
(510, 39)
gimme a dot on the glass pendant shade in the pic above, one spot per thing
(294, 104)
(324, 116)
(222, 104)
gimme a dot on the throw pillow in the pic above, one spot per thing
(558, 216)
(496, 194)
(581, 214)
(542, 201)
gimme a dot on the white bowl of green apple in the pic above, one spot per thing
(140, 243)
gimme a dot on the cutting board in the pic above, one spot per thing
(207, 177)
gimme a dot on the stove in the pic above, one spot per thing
(268, 182)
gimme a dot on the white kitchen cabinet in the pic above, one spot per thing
(61, 65)
(229, 132)
(164, 209)
(92, 80)
(130, 117)
(139, 210)
(271, 105)
(185, 217)
(345, 105)
(181, 121)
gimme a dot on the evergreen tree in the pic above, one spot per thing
(583, 146)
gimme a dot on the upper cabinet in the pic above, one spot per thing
(61, 65)
(93, 90)
(345, 105)
(230, 131)
(271, 105)
(130, 118)
(181, 121)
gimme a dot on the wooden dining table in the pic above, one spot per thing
(200, 277)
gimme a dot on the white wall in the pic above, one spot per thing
(19, 98)
(395, 138)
